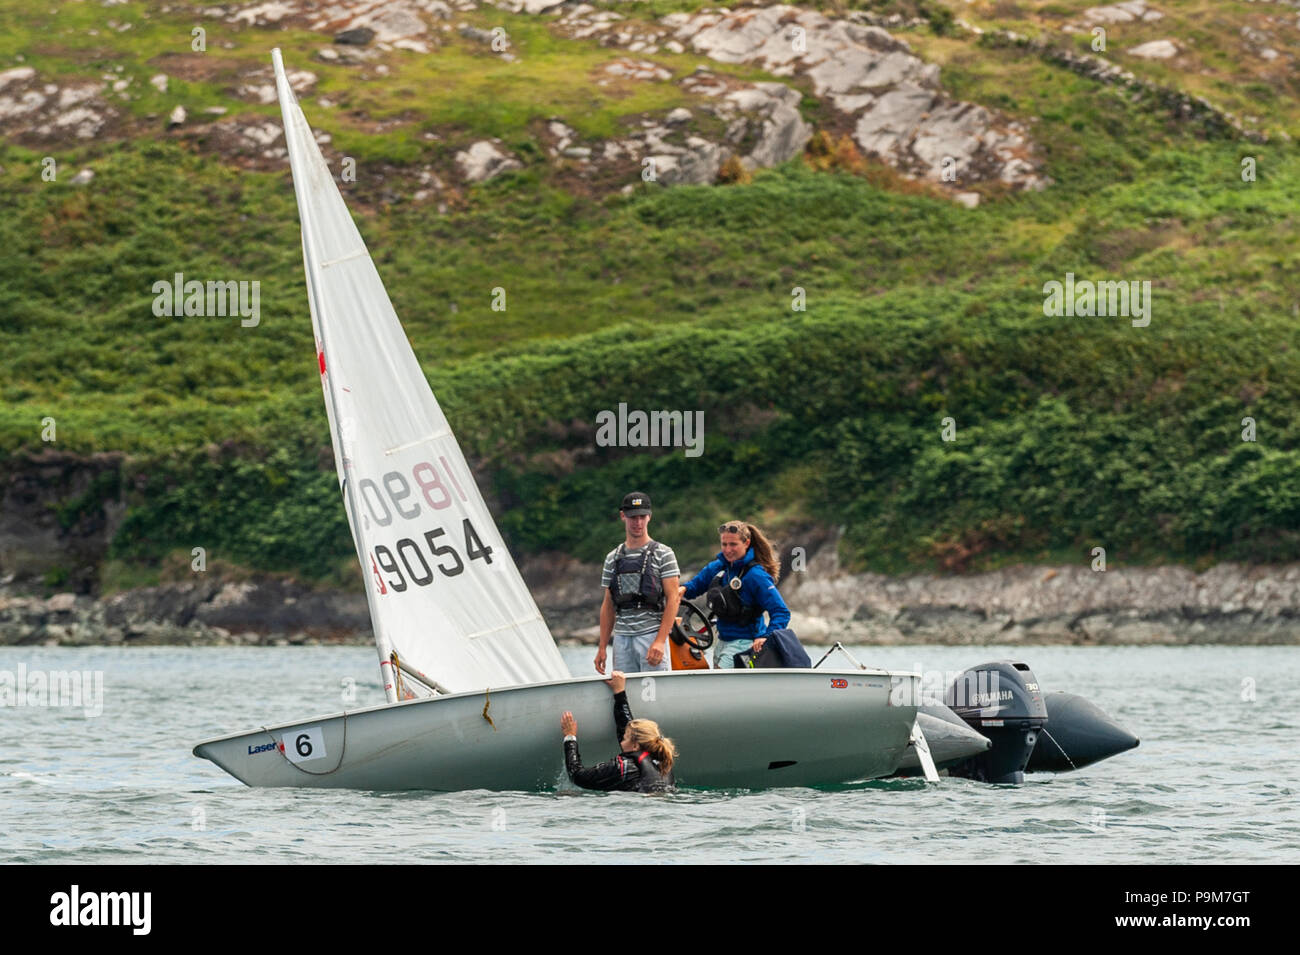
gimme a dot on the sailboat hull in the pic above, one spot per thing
(742, 729)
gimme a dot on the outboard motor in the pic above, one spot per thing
(1002, 701)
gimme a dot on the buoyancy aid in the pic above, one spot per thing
(633, 585)
(651, 779)
(724, 598)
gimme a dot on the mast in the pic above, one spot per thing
(382, 644)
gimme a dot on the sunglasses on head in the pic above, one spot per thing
(731, 528)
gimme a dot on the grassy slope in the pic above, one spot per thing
(678, 299)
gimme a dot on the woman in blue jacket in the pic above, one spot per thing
(741, 586)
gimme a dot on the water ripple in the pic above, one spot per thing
(1213, 783)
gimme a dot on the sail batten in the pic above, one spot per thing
(425, 440)
(442, 588)
(488, 633)
(358, 253)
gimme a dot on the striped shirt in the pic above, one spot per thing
(663, 564)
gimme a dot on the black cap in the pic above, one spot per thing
(636, 503)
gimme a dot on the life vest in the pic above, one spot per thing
(651, 779)
(724, 598)
(633, 586)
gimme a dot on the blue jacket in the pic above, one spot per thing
(758, 589)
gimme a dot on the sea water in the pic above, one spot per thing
(113, 779)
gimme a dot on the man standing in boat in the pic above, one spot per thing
(640, 578)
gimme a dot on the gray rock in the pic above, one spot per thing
(696, 165)
(892, 98)
(21, 106)
(1126, 12)
(783, 133)
(863, 70)
(636, 70)
(61, 602)
(18, 74)
(485, 160)
(950, 133)
(357, 36)
(886, 127)
(530, 6)
(475, 33)
(1155, 50)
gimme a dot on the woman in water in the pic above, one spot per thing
(646, 763)
(741, 586)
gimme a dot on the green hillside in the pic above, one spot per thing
(1070, 432)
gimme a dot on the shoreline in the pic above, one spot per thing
(1229, 604)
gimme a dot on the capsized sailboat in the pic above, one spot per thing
(474, 682)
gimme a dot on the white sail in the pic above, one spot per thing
(444, 592)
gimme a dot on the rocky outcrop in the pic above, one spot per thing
(762, 125)
(1228, 604)
(389, 24)
(766, 114)
(258, 86)
(1130, 11)
(888, 97)
(1072, 605)
(898, 111)
(201, 612)
(32, 110)
(249, 139)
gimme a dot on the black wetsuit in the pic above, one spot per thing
(626, 772)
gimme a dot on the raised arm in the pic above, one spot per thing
(622, 711)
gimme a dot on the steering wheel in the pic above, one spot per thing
(696, 629)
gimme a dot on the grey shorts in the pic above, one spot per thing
(630, 651)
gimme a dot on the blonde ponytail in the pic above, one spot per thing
(646, 736)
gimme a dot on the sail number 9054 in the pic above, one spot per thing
(445, 557)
